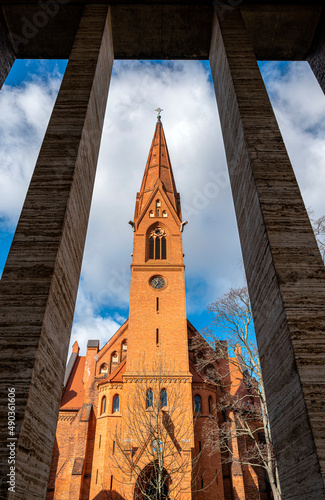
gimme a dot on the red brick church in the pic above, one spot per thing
(132, 419)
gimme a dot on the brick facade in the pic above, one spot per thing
(103, 447)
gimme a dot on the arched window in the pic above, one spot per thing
(104, 368)
(114, 357)
(158, 244)
(157, 248)
(197, 404)
(163, 398)
(210, 404)
(164, 214)
(163, 248)
(116, 403)
(114, 361)
(103, 406)
(124, 348)
(151, 214)
(151, 248)
(149, 402)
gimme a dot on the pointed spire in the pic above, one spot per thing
(158, 171)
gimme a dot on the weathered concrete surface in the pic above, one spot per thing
(159, 29)
(281, 31)
(285, 273)
(39, 283)
(316, 54)
(7, 54)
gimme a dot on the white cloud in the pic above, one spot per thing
(299, 106)
(25, 112)
(90, 325)
(193, 136)
(191, 124)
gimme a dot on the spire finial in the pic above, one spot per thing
(159, 110)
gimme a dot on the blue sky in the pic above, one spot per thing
(184, 90)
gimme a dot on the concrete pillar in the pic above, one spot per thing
(284, 270)
(40, 281)
(7, 55)
(316, 56)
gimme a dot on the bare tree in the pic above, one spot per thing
(153, 444)
(244, 405)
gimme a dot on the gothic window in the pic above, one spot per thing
(163, 248)
(157, 248)
(103, 406)
(158, 244)
(124, 348)
(164, 214)
(151, 214)
(116, 403)
(197, 404)
(149, 402)
(104, 368)
(163, 398)
(115, 357)
(210, 404)
(151, 248)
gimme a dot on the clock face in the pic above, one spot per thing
(157, 282)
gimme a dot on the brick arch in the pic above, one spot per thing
(103, 405)
(151, 229)
(146, 480)
(116, 398)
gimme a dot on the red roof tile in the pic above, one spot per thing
(73, 394)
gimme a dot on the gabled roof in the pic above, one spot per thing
(112, 340)
(159, 192)
(158, 170)
(73, 394)
(197, 378)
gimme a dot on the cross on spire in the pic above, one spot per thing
(159, 110)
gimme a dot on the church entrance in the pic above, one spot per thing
(152, 485)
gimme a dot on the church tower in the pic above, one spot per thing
(157, 365)
(157, 314)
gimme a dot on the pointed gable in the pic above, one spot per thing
(158, 171)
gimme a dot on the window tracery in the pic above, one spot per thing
(157, 244)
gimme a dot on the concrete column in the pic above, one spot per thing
(7, 55)
(285, 273)
(40, 281)
(316, 57)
